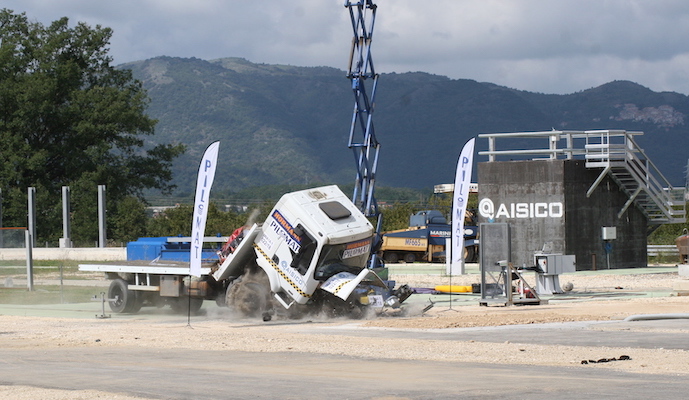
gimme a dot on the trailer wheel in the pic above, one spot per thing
(409, 257)
(124, 300)
(221, 300)
(182, 304)
(137, 301)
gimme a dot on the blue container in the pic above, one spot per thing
(146, 248)
(150, 248)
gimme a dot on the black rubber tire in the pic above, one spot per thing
(332, 306)
(136, 303)
(184, 304)
(469, 254)
(390, 257)
(123, 299)
(221, 299)
(196, 305)
(248, 297)
(410, 258)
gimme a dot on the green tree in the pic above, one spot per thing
(69, 118)
(177, 221)
(128, 219)
(397, 216)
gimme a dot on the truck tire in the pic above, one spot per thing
(221, 300)
(250, 298)
(410, 258)
(250, 294)
(137, 302)
(184, 304)
(123, 299)
(469, 254)
(334, 307)
(390, 257)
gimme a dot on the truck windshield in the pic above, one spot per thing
(347, 257)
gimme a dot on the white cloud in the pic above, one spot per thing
(538, 45)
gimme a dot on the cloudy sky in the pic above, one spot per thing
(549, 46)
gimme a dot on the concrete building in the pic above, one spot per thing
(591, 194)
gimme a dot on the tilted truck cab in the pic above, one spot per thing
(314, 244)
(310, 236)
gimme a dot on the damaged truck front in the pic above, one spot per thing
(309, 256)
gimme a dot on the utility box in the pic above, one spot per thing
(548, 270)
(609, 233)
(555, 264)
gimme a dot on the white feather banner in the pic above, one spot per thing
(204, 181)
(459, 206)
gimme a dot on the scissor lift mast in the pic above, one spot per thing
(362, 137)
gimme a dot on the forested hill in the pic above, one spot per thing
(282, 124)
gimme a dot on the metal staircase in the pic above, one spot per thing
(626, 163)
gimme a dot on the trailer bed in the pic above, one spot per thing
(133, 267)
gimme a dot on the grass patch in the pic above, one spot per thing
(43, 269)
(42, 263)
(49, 294)
(663, 259)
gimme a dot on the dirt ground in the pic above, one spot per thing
(231, 333)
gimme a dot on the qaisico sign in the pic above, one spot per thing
(487, 209)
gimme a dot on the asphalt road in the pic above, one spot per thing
(657, 334)
(209, 375)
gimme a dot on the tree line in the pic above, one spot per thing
(69, 118)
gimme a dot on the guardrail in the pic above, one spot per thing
(655, 250)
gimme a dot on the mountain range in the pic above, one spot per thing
(282, 124)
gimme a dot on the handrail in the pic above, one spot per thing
(553, 138)
(648, 160)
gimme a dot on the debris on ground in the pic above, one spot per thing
(605, 360)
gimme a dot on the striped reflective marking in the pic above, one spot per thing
(281, 272)
(337, 289)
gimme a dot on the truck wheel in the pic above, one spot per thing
(390, 257)
(335, 307)
(250, 298)
(124, 300)
(221, 300)
(182, 304)
(137, 301)
(469, 254)
(409, 257)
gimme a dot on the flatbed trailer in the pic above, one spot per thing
(135, 284)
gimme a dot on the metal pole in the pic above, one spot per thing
(62, 287)
(66, 223)
(31, 194)
(101, 216)
(2, 236)
(448, 256)
(29, 259)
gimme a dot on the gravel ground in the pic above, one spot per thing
(221, 328)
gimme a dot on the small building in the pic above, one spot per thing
(591, 194)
